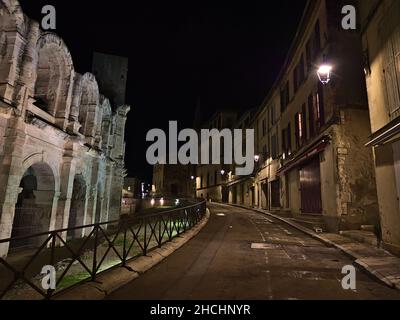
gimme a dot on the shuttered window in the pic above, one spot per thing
(390, 34)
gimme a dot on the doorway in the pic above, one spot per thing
(310, 187)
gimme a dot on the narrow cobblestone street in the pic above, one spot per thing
(242, 254)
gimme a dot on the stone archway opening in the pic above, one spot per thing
(53, 80)
(34, 206)
(89, 110)
(78, 208)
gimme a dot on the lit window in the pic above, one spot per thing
(300, 124)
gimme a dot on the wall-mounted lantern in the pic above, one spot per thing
(324, 73)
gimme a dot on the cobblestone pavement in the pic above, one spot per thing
(242, 254)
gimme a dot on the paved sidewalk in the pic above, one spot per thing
(378, 262)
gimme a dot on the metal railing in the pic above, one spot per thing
(100, 246)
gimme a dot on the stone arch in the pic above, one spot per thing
(13, 28)
(35, 204)
(89, 105)
(42, 158)
(54, 74)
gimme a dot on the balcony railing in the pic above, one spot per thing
(95, 249)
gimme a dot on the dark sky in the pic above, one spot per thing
(228, 55)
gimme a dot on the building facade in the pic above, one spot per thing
(313, 162)
(311, 159)
(61, 141)
(380, 27)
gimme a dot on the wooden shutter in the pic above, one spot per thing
(390, 35)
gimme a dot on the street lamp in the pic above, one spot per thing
(324, 73)
(256, 158)
(222, 172)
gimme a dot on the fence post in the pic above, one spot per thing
(159, 232)
(145, 238)
(125, 254)
(94, 269)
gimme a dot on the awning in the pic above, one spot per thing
(386, 134)
(311, 152)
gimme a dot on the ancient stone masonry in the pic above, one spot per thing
(61, 142)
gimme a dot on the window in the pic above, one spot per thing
(287, 140)
(300, 127)
(264, 128)
(285, 97)
(317, 39)
(265, 152)
(309, 58)
(320, 106)
(284, 145)
(390, 30)
(274, 147)
(299, 74)
(273, 119)
(297, 129)
(296, 79)
(311, 115)
(302, 75)
(304, 123)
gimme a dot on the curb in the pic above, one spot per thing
(357, 259)
(114, 279)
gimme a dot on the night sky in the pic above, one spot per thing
(226, 56)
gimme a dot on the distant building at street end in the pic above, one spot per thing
(210, 180)
(173, 181)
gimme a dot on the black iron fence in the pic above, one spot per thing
(97, 248)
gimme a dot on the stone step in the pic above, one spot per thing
(361, 236)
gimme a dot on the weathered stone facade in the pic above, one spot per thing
(61, 142)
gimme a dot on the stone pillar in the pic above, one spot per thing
(10, 179)
(92, 193)
(10, 62)
(116, 193)
(105, 216)
(61, 218)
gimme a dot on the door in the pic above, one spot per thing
(265, 198)
(253, 196)
(310, 187)
(275, 194)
